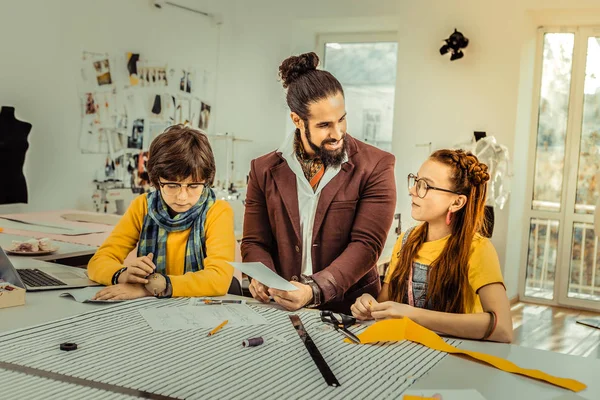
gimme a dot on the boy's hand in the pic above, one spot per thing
(138, 269)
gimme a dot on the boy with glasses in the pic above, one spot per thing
(185, 237)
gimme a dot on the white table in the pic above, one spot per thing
(460, 373)
(451, 373)
(65, 250)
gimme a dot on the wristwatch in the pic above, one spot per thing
(316, 300)
(115, 278)
(159, 285)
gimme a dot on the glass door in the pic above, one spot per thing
(581, 257)
(563, 255)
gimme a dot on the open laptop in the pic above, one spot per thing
(42, 275)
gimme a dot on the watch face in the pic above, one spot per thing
(156, 284)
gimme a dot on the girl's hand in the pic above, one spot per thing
(391, 309)
(361, 309)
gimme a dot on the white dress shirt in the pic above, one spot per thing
(307, 199)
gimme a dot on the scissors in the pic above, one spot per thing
(341, 326)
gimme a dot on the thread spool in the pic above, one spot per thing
(253, 342)
(68, 346)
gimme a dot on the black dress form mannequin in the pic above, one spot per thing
(488, 224)
(13, 146)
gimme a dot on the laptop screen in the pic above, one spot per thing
(8, 273)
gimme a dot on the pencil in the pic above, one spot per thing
(218, 328)
(211, 301)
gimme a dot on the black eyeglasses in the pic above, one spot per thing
(422, 186)
(173, 189)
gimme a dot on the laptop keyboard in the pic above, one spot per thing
(37, 278)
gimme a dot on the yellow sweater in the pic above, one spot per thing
(213, 280)
(484, 266)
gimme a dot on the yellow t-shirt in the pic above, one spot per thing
(484, 266)
(213, 280)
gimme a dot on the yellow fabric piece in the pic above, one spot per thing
(213, 280)
(484, 266)
(392, 330)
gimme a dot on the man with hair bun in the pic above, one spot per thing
(318, 209)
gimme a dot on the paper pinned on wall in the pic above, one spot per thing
(204, 120)
(264, 275)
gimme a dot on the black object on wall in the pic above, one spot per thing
(13, 146)
(454, 44)
(489, 218)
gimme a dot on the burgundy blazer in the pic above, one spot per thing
(353, 217)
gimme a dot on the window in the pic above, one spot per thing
(365, 65)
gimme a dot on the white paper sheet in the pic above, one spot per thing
(45, 227)
(85, 295)
(446, 394)
(264, 275)
(201, 317)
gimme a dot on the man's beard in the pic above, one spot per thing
(333, 158)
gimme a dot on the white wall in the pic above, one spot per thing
(443, 102)
(256, 38)
(437, 100)
(490, 89)
(42, 44)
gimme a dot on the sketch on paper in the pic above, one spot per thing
(153, 76)
(136, 139)
(132, 61)
(201, 317)
(102, 68)
(204, 116)
(90, 104)
(186, 81)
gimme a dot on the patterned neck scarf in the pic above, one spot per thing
(158, 223)
(313, 168)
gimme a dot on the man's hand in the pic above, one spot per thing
(259, 291)
(122, 291)
(295, 299)
(138, 269)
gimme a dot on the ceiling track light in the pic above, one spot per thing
(454, 45)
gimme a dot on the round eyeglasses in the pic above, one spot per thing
(173, 189)
(422, 186)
